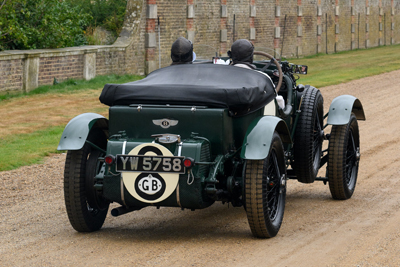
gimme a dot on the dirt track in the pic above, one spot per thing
(316, 231)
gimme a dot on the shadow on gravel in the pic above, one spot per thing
(150, 224)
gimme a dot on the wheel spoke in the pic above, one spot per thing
(278, 173)
(272, 188)
(351, 159)
(352, 141)
(318, 124)
(317, 136)
(350, 156)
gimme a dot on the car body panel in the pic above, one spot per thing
(77, 130)
(341, 109)
(259, 135)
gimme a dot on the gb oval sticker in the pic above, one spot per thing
(150, 187)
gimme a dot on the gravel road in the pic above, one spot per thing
(316, 231)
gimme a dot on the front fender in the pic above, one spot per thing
(77, 130)
(341, 109)
(258, 137)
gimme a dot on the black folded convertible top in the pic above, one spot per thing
(240, 90)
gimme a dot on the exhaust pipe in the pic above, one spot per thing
(123, 210)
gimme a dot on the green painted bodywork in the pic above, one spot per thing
(341, 109)
(190, 190)
(77, 130)
(259, 135)
(224, 132)
(209, 135)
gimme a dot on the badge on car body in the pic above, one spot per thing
(150, 172)
(165, 123)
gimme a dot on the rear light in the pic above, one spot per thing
(109, 159)
(188, 163)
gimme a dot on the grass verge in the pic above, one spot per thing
(26, 149)
(71, 85)
(331, 69)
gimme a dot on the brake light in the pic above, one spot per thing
(188, 162)
(109, 159)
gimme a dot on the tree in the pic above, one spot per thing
(38, 24)
(109, 14)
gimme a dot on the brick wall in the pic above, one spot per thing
(60, 68)
(110, 62)
(293, 28)
(11, 74)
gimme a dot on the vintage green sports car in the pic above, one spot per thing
(189, 135)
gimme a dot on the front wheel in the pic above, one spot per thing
(265, 191)
(343, 159)
(86, 210)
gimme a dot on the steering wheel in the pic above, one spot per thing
(277, 65)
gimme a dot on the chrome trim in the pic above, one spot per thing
(179, 149)
(121, 179)
(178, 200)
(122, 191)
(167, 138)
(123, 148)
(165, 123)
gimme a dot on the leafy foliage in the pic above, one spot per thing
(36, 24)
(106, 13)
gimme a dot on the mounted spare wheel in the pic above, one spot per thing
(343, 159)
(309, 136)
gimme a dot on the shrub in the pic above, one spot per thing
(38, 24)
(106, 13)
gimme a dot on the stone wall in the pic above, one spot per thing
(293, 28)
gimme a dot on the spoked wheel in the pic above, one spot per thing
(86, 210)
(265, 191)
(343, 159)
(309, 136)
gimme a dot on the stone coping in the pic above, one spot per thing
(60, 52)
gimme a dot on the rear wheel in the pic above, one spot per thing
(309, 136)
(265, 191)
(343, 159)
(86, 210)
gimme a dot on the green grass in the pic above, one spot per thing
(26, 149)
(71, 85)
(324, 70)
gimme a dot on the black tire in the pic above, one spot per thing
(308, 136)
(265, 191)
(86, 210)
(343, 159)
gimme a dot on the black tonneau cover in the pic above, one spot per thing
(241, 90)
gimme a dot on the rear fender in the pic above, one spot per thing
(341, 109)
(258, 137)
(77, 130)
